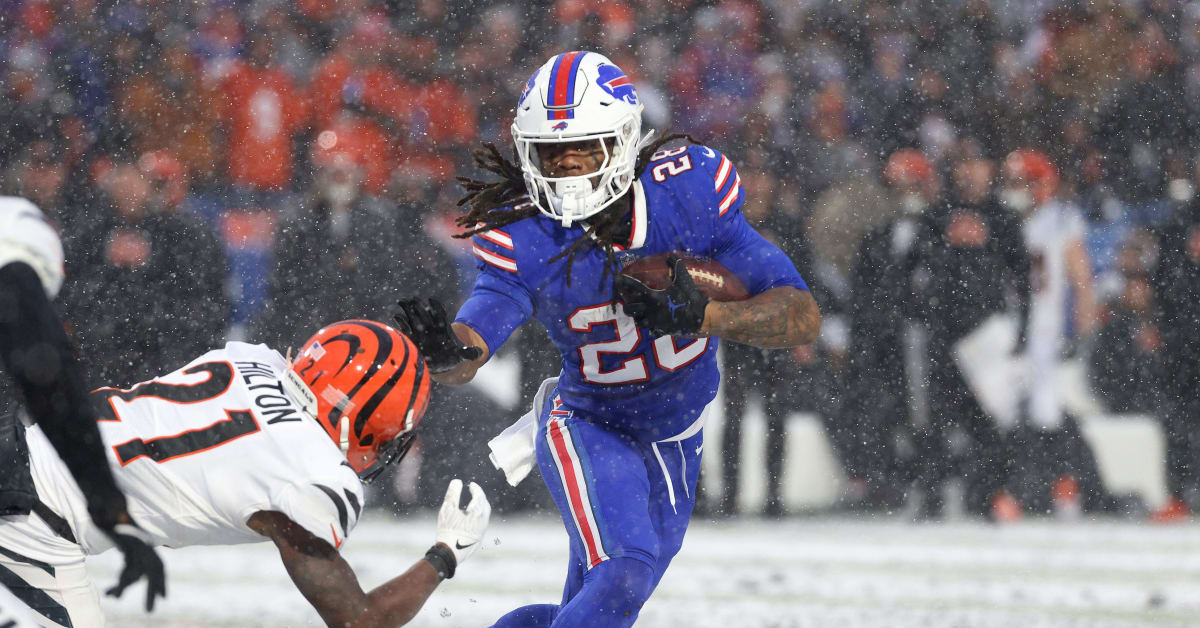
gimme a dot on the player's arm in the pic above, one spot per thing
(498, 305)
(330, 585)
(465, 370)
(36, 352)
(782, 312)
(1079, 273)
(776, 319)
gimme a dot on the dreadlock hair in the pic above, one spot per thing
(486, 198)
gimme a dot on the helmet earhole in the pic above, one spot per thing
(366, 441)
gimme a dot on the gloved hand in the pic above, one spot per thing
(424, 321)
(461, 529)
(140, 561)
(677, 310)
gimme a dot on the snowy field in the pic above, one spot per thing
(744, 573)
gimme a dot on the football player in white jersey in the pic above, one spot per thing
(1062, 307)
(1061, 276)
(35, 352)
(242, 445)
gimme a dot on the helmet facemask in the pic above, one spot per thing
(573, 198)
(386, 455)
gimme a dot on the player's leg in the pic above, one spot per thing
(739, 363)
(776, 408)
(603, 493)
(59, 595)
(14, 613)
(673, 473)
(615, 590)
(597, 478)
(987, 466)
(543, 615)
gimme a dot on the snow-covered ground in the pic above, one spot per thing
(744, 573)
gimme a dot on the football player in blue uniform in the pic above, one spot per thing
(619, 437)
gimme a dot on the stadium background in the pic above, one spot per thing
(188, 150)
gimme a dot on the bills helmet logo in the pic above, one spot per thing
(528, 87)
(611, 79)
(561, 126)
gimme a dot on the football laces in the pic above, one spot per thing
(707, 277)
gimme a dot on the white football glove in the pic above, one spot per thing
(462, 529)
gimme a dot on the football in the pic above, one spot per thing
(713, 279)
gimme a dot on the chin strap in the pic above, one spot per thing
(344, 438)
(644, 141)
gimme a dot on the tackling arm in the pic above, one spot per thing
(329, 584)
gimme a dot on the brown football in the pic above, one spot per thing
(713, 279)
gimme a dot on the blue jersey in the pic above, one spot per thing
(687, 199)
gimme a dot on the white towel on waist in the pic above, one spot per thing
(513, 451)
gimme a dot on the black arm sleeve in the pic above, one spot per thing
(1016, 258)
(35, 351)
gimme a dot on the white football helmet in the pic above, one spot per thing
(578, 96)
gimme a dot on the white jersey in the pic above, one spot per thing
(25, 236)
(200, 450)
(1049, 233)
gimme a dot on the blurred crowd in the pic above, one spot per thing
(254, 168)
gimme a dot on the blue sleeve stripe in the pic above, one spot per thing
(728, 200)
(495, 259)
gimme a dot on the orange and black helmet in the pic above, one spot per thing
(1035, 168)
(369, 389)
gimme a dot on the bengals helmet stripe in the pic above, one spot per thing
(382, 351)
(369, 407)
(367, 376)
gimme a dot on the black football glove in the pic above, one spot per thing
(141, 561)
(677, 310)
(424, 321)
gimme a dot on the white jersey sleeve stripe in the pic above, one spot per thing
(732, 196)
(499, 261)
(722, 173)
(496, 236)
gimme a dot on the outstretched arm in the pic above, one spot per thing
(775, 319)
(329, 584)
(465, 371)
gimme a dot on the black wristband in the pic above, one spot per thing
(442, 560)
